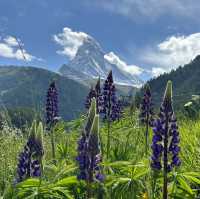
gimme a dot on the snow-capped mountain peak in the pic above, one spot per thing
(91, 61)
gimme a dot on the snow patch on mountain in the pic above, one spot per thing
(114, 59)
(88, 60)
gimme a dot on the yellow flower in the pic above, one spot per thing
(145, 196)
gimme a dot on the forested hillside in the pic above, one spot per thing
(25, 87)
(186, 81)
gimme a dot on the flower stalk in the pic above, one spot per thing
(52, 114)
(30, 159)
(89, 153)
(146, 114)
(165, 139)
(109, 107)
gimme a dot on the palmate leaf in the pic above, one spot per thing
(192, 176)
(59, 171)
(184, 185)
(127, 179)
(68, 181)
(66, 171)
(31, 182)
(117, 164)
(124, 186)
(33, 188)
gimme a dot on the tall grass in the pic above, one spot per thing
(128, 172)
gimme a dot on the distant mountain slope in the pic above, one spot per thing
(27, 86)
(186, 82)
(90, 62)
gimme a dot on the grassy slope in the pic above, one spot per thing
(128, 172)
(26, 87)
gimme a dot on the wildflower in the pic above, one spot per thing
(52, 113)
(109, 107)
(29, 163)
(117, 111)
(166, 139)
(95, 93)
(89, 97)
(89, 155)
(146, 114)
(51, 105)
(146, 107)
(145, 195)
(109, 98)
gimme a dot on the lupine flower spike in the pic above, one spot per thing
(96, 93)
(89, 154)
(30, 160)
(165, 143)
(89, 97)
(52, 112)
(117, 113)
(109, 109)
(147, 114)
(51, 105)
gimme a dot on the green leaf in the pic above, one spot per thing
(72, 180)
(185, 186)
(31, 182)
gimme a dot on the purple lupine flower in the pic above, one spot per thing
(157, 147)
(165, 149)
(117, 111)
(89, 97)
(146, 107)
(146, 114)
(82, 157)
(29, 164)
(166, 130)
(89, 155)
(109, 109)
(52, 105)
(95, 93)
(95, 152)
(174, 149)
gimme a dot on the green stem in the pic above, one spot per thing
(89, 193)
(147, 136)
(108, 140)
(165, 191)
(53, 145)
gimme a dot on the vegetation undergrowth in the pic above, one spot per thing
(140, 154)
(128, 172)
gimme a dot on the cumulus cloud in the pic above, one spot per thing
(114, 59)
(173, 52)
(11, 41)
(137, 9)
(9, 48)
(70, 41)
(156, 71)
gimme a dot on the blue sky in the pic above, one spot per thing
(154, 35)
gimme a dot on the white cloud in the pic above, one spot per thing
(114, 59)
(173, 52)
(149, 9)
(137, 9)
(156, 71)
(70, 41)
(11, 41)
(9, 48)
